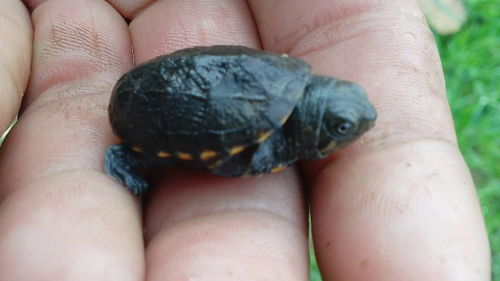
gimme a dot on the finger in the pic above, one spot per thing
(202, 226)
(400, 203)
(15, 58)
(182, 25)
(61, 218)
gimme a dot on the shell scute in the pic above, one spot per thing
(207, 98)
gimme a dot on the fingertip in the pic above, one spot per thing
(235, 245)
(15, 59)
(76, 224)
(388, 213)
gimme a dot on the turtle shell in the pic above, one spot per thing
(204, 102)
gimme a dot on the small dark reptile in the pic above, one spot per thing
(231, 110)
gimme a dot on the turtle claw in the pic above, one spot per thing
(136, 183)
(121, 164)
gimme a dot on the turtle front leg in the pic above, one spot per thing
(124, 165)
(270, 156)
(273, 155)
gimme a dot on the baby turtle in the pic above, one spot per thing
(231, 110)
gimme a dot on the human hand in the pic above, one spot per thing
(397, 205)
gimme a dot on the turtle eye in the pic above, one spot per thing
(343, 127)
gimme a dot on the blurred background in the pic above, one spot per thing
(467, 33)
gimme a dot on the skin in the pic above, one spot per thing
(398, 205)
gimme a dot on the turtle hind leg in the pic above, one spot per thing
(125, 166)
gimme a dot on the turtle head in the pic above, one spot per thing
(334, 113)
(347, 114)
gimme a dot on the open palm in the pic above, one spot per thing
(398, 205)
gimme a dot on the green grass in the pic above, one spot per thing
(471, 62)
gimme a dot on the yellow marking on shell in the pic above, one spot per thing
(163, 154)
(263, 136)
(138, 149)
(278, 169)
(207, 154)
(236, 149)
(184, 156)
(285, 118)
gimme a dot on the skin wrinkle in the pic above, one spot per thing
(347, 154)
(180, 205)
(267, 255)
(79, 43)
(187, 31)
(407, 129)
(321, 18)
(334, 32)
(405, 48)
(68, 92)
(269, 220)
(77, 37)
(274, 215)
